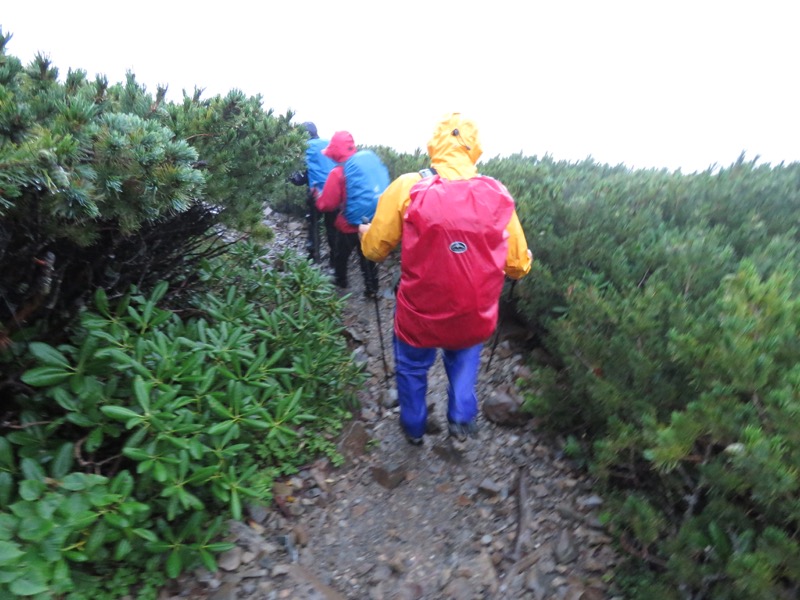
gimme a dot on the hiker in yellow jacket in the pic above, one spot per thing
(461, 238)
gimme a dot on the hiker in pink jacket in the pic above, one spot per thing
(333, 199)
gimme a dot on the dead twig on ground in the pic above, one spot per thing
(520, 563)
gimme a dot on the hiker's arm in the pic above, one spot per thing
(519, 258)
(333, 192)
(386, 228)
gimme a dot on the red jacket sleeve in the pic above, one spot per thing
(333, 194)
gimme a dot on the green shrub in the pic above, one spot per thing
(138, 437)
(108, 186)
(667, 306)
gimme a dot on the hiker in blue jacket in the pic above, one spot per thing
(316, 172)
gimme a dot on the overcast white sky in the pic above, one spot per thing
(650, 83)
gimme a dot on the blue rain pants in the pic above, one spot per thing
(411, 370)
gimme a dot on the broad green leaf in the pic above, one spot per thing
(116, 520)
(136, 453)
(96, 538)
(146, 534)
(75, 556)
(208, 560)
(160, 471)
(31, 489)
(219, 546)
(142, 392)
(8, 575)
(95, 439)
(9, 553)
(125, 360)
(123, 548)
(48, 355)
(83, 520)
(158, 291)
(174, 564)
(101, 301)
(28, 585)
(120, 413)
(202, 475)
(65, 399)
(32, 469)
(45, 376)
(236, 505)
(256, 424)
(132, 508)
(122, 484)
(79, 419)
(6, 488)
(62, 461)
(75, 482)
(35, 529)
(6, 454)
(62, 580)
(196, 449)
(220, 427)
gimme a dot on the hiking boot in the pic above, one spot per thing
(461, 431)
(432, 426)
(414, 441)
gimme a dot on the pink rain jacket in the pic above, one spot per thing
(334, 193)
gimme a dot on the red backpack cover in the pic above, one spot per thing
(452, 265)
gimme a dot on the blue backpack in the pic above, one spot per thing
(365, 178)
(317, 164)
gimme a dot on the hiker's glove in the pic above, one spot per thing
(298, 178)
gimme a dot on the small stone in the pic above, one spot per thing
(231, 559)
(565, 551)
(389, 476)
(487, 486)
(592, 501)
(301, 534)
(257, 512)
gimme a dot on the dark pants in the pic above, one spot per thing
(313, 244)
(330, 233)
(345, 242)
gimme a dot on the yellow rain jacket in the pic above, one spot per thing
(453, 157)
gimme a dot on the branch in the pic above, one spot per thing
(522, 512)
(26, 425)
(642, 554)
(697, 488)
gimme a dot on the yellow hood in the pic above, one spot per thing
(455, 147)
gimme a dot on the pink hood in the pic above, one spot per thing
(341, 147)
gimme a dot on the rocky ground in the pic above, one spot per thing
(501, 516)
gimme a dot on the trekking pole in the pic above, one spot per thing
(365, 221)
(499, 323)
(380, 337)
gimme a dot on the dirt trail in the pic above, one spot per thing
(440, 521)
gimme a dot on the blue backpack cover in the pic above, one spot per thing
(317, 164)
(366, 177)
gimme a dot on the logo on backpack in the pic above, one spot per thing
(366, 177)
(458, 247)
